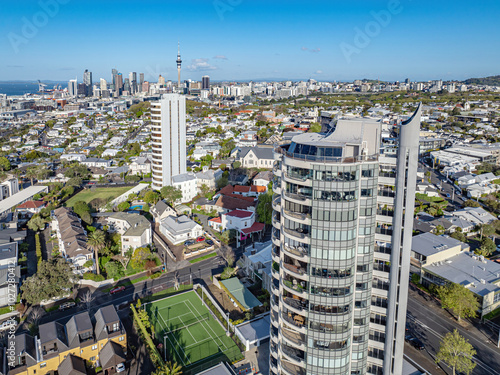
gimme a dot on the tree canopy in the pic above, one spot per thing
(457, 353)
(264, 209)
(170, 194)
(151, 197)
(54, 278)
(459, 299)
(141, 254)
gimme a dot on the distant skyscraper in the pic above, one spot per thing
(179, 62)
(168, 139)
(141, 79)
(342, 230)
(132, 77)
(161, 80)
(73, 87)
(114, 72)
(87, 80)
(103, 84)
(205, 83)
(118, 82)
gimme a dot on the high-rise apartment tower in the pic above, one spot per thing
(342, 226)
(168, 139)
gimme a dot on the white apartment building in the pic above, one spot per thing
(186, 183)
(168, 137)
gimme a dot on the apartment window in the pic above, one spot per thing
(361, 304)
(94, 347)
(363, 267)
(121, 338)
(116, 326)
(92, 358)
(359, 321)
(42, 365)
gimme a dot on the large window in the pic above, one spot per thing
(336, 216)
(337, 196)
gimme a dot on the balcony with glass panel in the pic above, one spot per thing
(300, 251)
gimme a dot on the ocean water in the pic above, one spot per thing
(21, 88)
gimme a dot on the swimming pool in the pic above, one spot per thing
(135, 208)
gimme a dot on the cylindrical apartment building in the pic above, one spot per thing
(331, 251)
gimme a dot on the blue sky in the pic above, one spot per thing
(250, 39)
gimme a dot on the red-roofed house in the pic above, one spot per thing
(242, 221)
(249, 191)
(30, 208)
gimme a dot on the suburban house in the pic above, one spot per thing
(29, 208)
(242, 221)
(257, 263)
(208, 177)
(96, 162)
(186, 183)
(65, 348)
(263, 179)
(226, 204)
(247, 139)
(141, 165)
(179, 229)
(161, 210)
(9, 270)
(135, 229)
(476, 215)
(72, 239)
(255, 157)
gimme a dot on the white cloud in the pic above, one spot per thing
(200, 65)
(318, 72)
(220, 57)
(313, 50)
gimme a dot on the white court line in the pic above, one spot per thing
(187, 329)
(184, 363)
(215, 335)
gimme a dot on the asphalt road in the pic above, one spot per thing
(430, 323)
(447, 187)
(195, 272)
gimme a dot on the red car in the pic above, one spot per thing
(200, 239)
(118, 289)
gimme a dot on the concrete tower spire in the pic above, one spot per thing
(179, 62)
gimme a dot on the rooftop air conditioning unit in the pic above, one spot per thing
(483, 281)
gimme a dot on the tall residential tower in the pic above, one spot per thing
(168, 138)
(343, 217)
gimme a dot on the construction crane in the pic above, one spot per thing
(41, 86)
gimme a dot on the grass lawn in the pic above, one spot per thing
(426, 198)
(188, 332)
(211, 255)
(88, 194)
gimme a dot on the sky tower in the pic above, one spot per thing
(179, 62)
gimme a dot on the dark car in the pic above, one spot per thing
(409, 337)
(118, 289)
(417, 344)
(189, 242)
(209, 242)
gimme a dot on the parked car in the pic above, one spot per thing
(416, 343)
(189, 242)
(448, 195)
(200, 239)
(120, 367)
(118, 289)
(66, 306)
(209, 242)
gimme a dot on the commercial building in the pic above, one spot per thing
(168, 138)
(205, 83)
(340, 250)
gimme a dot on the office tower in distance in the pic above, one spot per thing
(341, 252)
(87, 80)
(141, 80)
(168, 139)
(205, 83)
(161, 81)
(73, 87)
(114, 72)
(179, 62)
(127, 86)
(82, 89)
(103, 84)
(132, 77)
(118, 83)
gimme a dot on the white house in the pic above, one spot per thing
(263, 178)
(73, 157)
(186, 183)
(135, 229)
(179, 229)
(208, 177)
(141, 165)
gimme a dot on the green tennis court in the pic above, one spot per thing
(188, 331)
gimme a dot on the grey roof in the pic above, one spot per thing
(445, 223)
(256, 330)
(463, 269)
(460, 222)
(8, 250)
(178, 225)
(220, 369)
(77, 324)
(138, 223)
(160, 207)
(421, 226)
(265, 175)
(189, 176)
(260, 152)
(53, 331)
(429, 244)
(72, 365)
(104, 316)
(111, 355)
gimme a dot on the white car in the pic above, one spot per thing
(120, 367)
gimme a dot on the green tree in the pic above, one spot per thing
(264, 208)
(169, 368)
(4, 164)
(151, 197)
(221, 182)
(54, 278)
(123, 206)
(83, 210)
(115, 270)
(459, 299)
(36, 223)
(471, 203)
(141, 254)
(170, 194)
(236, 164)
(458, 236)
(31, 173)
(315, 128)
(457, 353)
(487, 247)
(96, 241)
(487, 230)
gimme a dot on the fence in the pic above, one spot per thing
(155, 355)
(223, 318)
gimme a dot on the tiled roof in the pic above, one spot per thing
(31, 204)
(256, 227)
(240, 214)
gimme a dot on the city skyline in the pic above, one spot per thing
(238, 46)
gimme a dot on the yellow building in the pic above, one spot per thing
(65, 349)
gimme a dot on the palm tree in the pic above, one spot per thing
(32, 173)
(96, 241)
(169, 368)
